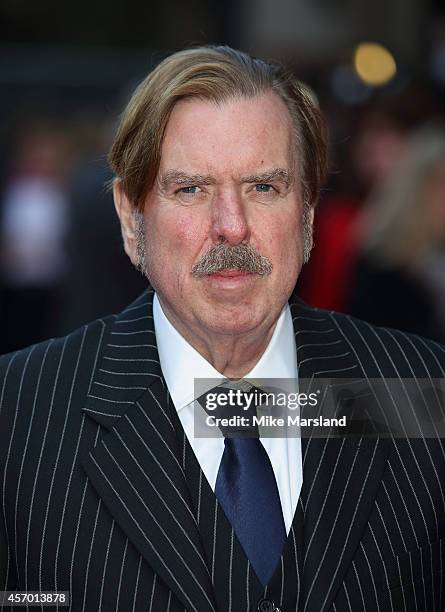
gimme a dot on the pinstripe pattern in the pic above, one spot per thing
(102, 495)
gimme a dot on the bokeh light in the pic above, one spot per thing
(374, 64)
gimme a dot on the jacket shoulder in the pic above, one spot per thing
(385, 351)
(28, 358)
(394, 352)
(51, 374)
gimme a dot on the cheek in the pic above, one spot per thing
(285, 245)
(186, 231)
(284, 238)
(181, 237)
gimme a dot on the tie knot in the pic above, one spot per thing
(236, 384)
(233, 404)
(240, 445)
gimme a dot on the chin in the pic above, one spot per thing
(235, 320)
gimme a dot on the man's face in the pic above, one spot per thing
(227, 198)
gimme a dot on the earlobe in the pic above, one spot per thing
(125, 212)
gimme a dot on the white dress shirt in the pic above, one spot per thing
(181, 364)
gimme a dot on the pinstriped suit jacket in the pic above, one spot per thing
(101, 493)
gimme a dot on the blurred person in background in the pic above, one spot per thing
(370, 156)
(99, 279)
(399, 279)
(33, 226)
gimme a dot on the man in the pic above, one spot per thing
(107, 493)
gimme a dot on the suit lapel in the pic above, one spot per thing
(340, 475)
(135, 466)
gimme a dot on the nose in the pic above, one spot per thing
(228, 219)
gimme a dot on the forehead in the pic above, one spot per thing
(237, 135)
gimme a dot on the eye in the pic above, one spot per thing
(189, 190)
(264, 188)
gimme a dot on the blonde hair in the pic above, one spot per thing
(397, 229)
(216, 74)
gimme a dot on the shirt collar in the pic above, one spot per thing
(181, 363)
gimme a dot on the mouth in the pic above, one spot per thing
(230, 279)
(230, 273)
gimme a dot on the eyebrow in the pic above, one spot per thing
(275, 174)
(177, 177)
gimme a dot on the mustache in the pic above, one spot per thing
(240, 257)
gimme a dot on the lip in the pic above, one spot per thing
(230, 279)
(230, 273)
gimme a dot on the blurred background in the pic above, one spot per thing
(66, 72)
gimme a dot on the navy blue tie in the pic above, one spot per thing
(247, 491)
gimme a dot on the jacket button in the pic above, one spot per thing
(267, 605)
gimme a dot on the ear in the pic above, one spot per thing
(125, 211)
